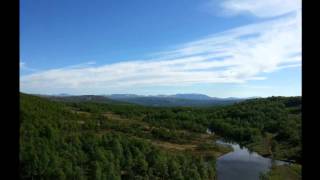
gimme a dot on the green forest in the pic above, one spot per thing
(95, 140)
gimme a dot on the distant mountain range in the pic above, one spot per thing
(174, 100)
(150, 100)
(192, 96)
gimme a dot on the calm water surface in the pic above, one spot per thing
(241, 164)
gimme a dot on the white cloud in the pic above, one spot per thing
(22, 64)
(24, 67)
(234, 56)
(260, 8)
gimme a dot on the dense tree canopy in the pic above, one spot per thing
(88, 140)
(55, 145)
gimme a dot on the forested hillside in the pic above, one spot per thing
(58, 141)
(270, 126)
(88, 140)
(179, 100)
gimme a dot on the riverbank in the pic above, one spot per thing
(283, 172)
(266, 148)
(243, 163)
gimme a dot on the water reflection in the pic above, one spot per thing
(242, 163)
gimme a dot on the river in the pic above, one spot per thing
(241, 164)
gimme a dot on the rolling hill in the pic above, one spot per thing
(183, 100)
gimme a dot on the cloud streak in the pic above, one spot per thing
(259, 8)
(24, 67)
(234, 56)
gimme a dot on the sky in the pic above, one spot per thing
(222, 48)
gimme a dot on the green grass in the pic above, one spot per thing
(283, 172)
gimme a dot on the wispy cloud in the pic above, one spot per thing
(82, 65)
(24, 67)
(259, 8)
(22, 64)
(234, 56)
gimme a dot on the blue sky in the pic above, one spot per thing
(221, 48)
